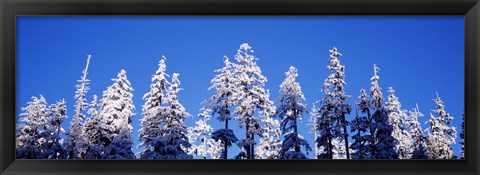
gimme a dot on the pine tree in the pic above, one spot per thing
(397, 119)
(116, 112)
(384, 141)
(291, 109)
(222, 103)
(202, 132)
(440, 136)
(373, 139)
(418, 139)
(363, 139)
(75, 146)
(324, 128)
(174, 137)
(53, 149)
(31, 129)
(153, 116)
(250, 84)
(333, 110)
(92, 134)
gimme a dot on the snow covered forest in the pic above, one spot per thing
(254, 124)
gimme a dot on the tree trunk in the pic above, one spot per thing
(329, 139)
(247, 136)
(360, 150)
(372, 133)
(330, 150)
(224, 142)
(315, 149)
(252, 146)
(345, 135)
(297, 148)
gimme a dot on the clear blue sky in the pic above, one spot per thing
(417, 55)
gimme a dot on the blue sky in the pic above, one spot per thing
(417, 55)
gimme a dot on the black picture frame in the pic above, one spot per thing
(9, 9)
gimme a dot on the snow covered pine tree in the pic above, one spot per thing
(116, 112)
(397, 118)
(363, 138)
(418, 146)
(331, 121)
(92, 134)
(291, 109)
(74, 145)
(440, 136)
(384, 141)
(202, 132)
(31, 129)
(39, 130)
(251, 96)
(377, 141)
(153, 114)
(222, 103)
(53, 148)
(174, 137)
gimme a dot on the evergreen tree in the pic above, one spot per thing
(324, 128)
(222, 103)
(291, 109)
(116, 112)
(373, 139)
(75, 146)
(31, 129)
(418, 139)
(250, 84)
(333, 110)
(53, 149)
(384, 141)
(202, 132)
(363, 139)
(441, 135)
(153, 114)
(174, 138)
(92, 133)
(397, 119)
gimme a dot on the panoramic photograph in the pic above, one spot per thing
(240, 87)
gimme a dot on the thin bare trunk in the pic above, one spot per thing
(344, 122)
(225, 144)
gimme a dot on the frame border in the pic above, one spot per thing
(470, 9)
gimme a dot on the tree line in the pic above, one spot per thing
(101, 129)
